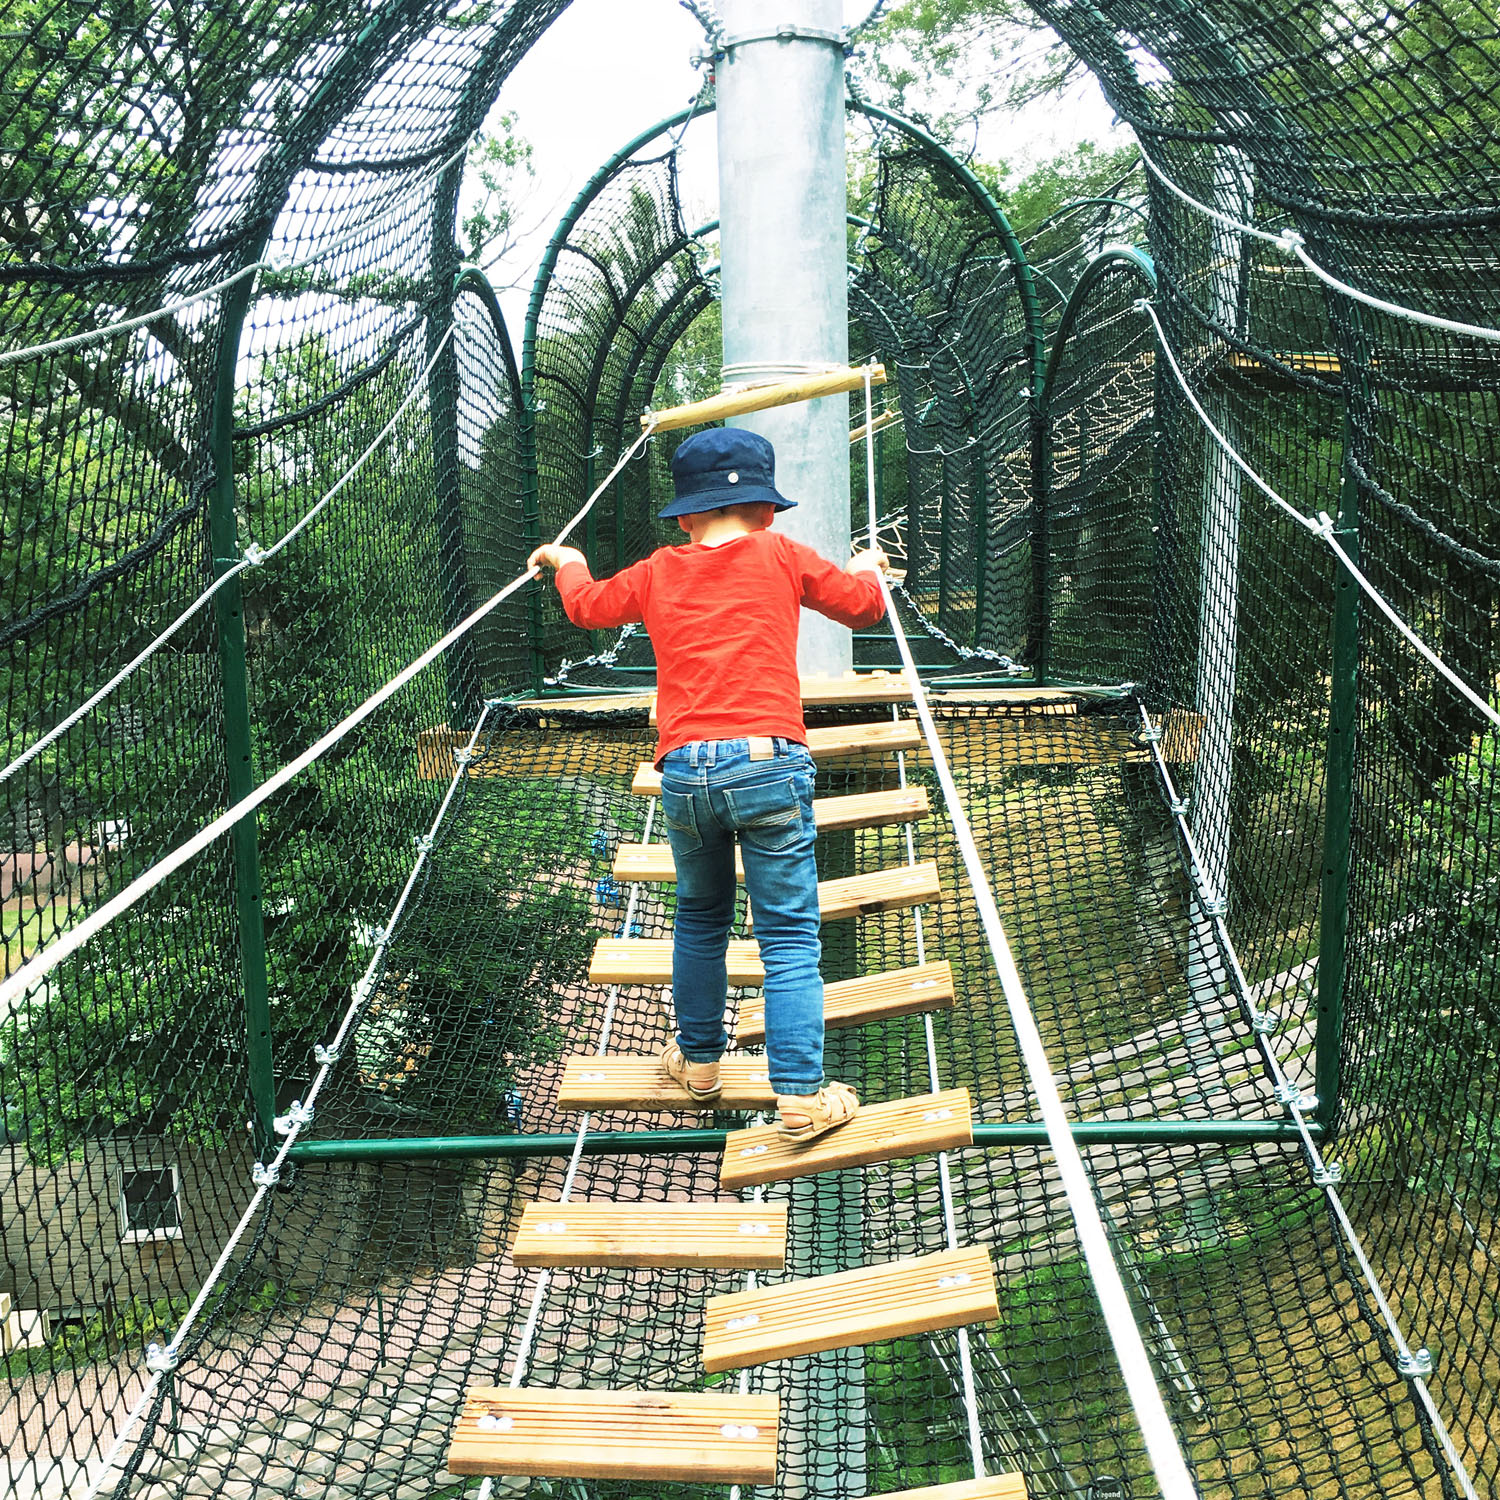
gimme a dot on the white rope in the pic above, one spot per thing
(1161, 1442)
(162, 1361)
(1292, 243)
(19, 983)
(1297, 1104)
(254, 557)
(168, 309)
(1322, 527)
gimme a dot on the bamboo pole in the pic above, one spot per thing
(882, 421)
(749, 398)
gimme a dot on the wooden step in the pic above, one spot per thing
(996, 1487)
(649, 961)
(848, 896)
(692, 1437)
(639, 1083)
(864, 1306)
(906, 804)
(830, 745)
(855, 688)
(707, 1236)
(879, 1132)
(853, 1002)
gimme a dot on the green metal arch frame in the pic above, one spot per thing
(1110, 257)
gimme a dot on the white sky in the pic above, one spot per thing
(608, 69)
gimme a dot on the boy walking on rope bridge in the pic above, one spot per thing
(722, 613)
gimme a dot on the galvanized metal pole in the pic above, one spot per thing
(784, 261)
(1218, 622)
(783, 205)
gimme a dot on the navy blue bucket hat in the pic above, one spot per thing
(723, 466)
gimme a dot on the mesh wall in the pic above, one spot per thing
(1077, 516)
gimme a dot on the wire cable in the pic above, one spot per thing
(1291, 243)
(254, 557)
(1162, 1447)
(16, 987)
(1322, 527)
(162, 1361)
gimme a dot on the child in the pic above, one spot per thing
(722, 614)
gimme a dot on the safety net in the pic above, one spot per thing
(1199, 555)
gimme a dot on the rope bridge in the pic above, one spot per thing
(304, 1001)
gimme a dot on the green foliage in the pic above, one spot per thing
(500, 160)
(129, 1328)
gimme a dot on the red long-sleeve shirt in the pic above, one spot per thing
(723, 622)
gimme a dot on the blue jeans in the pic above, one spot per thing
(710, 791)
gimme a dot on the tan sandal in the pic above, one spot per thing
(701, 1080)
(833, 1105)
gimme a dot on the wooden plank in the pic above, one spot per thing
(830, 744)
(847, 896)
(761, 395)
(707, 1236)
(863, 1306)
(649, 961)
(639, 1083)
(853, 1002)
(879, 1132)
(688, 1436)
(996, 1487)
(855, 689)
(862, 810)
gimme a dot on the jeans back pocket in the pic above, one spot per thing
(769, 815)
(681, 817)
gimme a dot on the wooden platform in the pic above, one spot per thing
(639, 1083)
(852, 1002)
(706, 1236)
(879, 1132)
(649, 961)
(995, 1487)
(848, 896)
(692, 1437)
(854, 689)
(863, 1306)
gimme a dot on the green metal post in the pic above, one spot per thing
(1338, 803)
(229, 625)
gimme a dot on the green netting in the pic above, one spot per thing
(1057, 503)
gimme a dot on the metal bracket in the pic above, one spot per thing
(1151, 734)
(1180, 807)
(787, 31)
(1328, 1174)
(1293, 1097)
(1265, 1022)
(255, 554)
(297, 1114)
(1215, 906)
(265, 1175)
(463, 756)
(326, 1056)
(423, 843)
(1415, 1364)
(162, 1361)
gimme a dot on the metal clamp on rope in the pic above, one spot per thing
(423, 843)
(1179, 807)
(1265, 1022)
(1415, 1364)
(787, 31)
(162, 1361)
(463, 756)
(1141, 305)
(1324, 528)
(1151, 734)
(1328, 1174)
(298, 1114)
(255, 554)
(264, 1174)
(326, 1056)
(1290, 240)
(1214, 906)
(1293, 1098)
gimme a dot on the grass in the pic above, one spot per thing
(26, 927)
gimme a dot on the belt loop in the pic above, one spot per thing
(693, 755)
(713, 756)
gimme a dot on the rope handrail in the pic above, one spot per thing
(1410, 1363)
(42, 964)
(168, 309)
(253, 558)
(1162, 1446)
(1291, 243)
(1323, 528)
(161, 1361)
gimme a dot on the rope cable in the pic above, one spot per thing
(1290, 242)
(1322, 528)
(254, 557)
(19, 983)
(1162, 1446)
